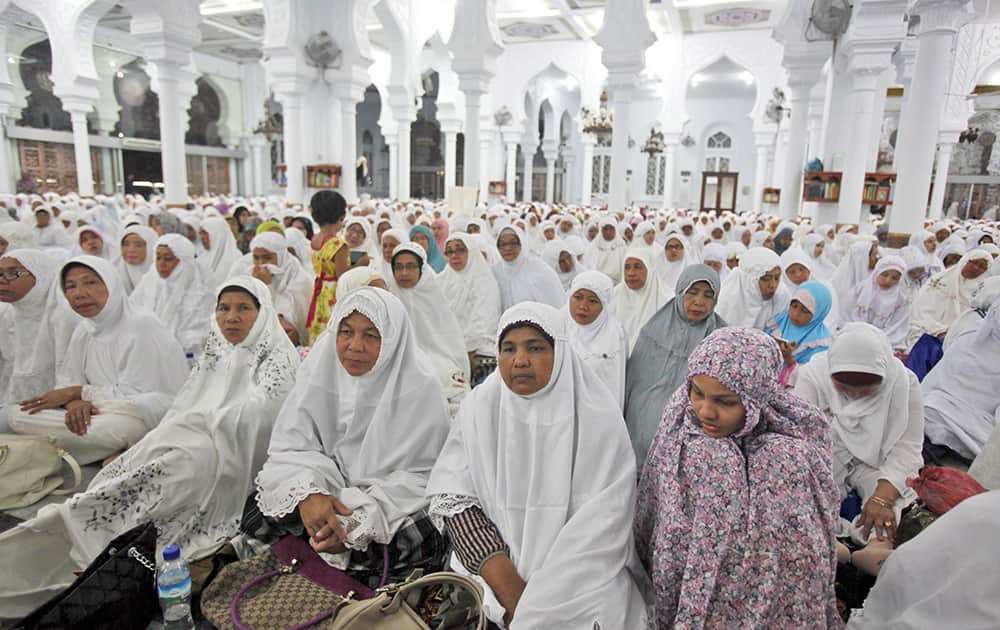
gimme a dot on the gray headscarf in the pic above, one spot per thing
(658, 365)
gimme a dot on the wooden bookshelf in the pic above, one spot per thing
(771, 195)
(323, 175)
(878, 190)
(282, 172)
(498, 188)
(821, 186)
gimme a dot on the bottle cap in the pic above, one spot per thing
(171, 552)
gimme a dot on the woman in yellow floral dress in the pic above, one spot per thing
(330, 257)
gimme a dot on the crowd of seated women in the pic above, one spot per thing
(680, 405)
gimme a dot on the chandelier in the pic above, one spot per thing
(654, 143)
(599, 123)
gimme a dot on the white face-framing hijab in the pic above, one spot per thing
(554, 471)
(740, 300)
(370, 440)
(634, 307)
(130, 274)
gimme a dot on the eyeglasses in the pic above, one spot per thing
(508, 244)
(675, 248)
(13, 274)
(455, 252)
(406, 267)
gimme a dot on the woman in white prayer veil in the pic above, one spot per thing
(472, 293)
(391, 239)
(191, 475)
(435, 326)
(594, 333)
(524, 277)
(947, 295)
(670, 261)
(558, 256)
(95, 241)
(606, 252)
(120, 374)
(637, 298)
(960, 392)
(221, 250)
(298, 245)
(944, 578)
(174, 290)
(138, 255)
(50, 234)
(355, 441)
(980, 304)
(16, 235)
(852, 274)
(752, 294)
(291, 289)
(814, 245)
(555, 510)
(41, 327)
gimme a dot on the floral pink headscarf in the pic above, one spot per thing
(738, 532)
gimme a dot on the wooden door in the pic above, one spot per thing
(718, 191)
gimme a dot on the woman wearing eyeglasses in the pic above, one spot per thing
(875, 409)
(522, 276)
(437, 330)
(473, 295)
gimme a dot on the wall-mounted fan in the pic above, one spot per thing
(322, 52)
(828, 19)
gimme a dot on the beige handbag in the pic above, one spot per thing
(31, 469)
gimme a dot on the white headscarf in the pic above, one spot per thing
(886, 309)
(960, 393)
(109, 250)
(716, 252)
(131, 275)
(604, 255)
(740, 301)
(474, 297)
(550, 254)
(291, 289)
(121, 353)
(435, 327)
(386, 267)
(851, 276)
(42, 326)
(527, 278)
(667, 272)
(554, 471)
(869, 427)
(181, 300)
(369, 440)
(822, 268)
(222, 251)
(18, 235)
(982, 301)
(943, 578)
(633, 308)
(793, 256)
(353, 279)
(601, 344)
(945, 296)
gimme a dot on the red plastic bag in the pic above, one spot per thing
(943, 488)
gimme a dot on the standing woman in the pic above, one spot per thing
(190, 475)
(120, 375)
(545, 527)
(607, 251)
(639, 295)
(658, 364)
(472, 293)
(175, 292)
(752, 294)
(138, 255)
(737, 504)
(330, 258)
(594, 333)
(851, 276)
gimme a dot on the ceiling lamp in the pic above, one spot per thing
(599, 123)
(654, 143)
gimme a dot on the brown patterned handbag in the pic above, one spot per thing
(292, 587)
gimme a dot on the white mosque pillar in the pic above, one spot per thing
(450, 129)
(551, 152)
(944, 151)
(528, 153)
(81, 147)
(510, 170)
(587, 141)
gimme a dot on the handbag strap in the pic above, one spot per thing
(77, 473)
(234, 608)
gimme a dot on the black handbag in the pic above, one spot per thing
(117, 591)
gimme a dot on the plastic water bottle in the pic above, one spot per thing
(173, 584)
